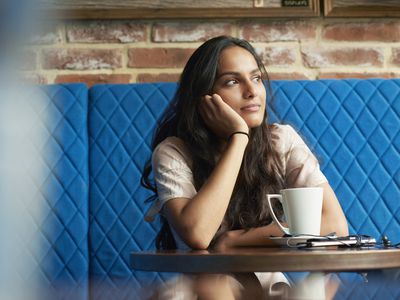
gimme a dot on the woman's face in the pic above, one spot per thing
(239, 83)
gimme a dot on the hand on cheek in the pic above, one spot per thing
(220, 117)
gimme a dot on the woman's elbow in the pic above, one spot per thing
(198, 245)
(196, 240)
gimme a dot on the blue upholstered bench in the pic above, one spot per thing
(101, 138)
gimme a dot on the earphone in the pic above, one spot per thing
(386, 242)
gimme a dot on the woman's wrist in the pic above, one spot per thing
(244, 133)
(241, 139)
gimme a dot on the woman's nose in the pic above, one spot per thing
(250, 90)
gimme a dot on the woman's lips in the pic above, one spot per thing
(251, 108)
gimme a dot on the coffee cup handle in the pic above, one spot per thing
(276, 196)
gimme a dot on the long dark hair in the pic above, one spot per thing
(261, 170)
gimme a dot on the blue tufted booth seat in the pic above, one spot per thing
(101, 138)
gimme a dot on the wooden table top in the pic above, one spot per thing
(261, 259)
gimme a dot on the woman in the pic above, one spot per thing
(215, 157)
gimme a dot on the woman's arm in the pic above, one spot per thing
(197, 220)
(333, 219)
(303, 170)
(246, 238)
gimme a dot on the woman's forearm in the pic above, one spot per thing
(333, 218)
(197, 220)
(253, 237)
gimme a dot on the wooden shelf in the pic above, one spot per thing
(176, 9)
(361, 8)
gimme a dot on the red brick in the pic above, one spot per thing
(188, 31)
(287, 76)
(327, 75)
(278, 31)
(158, 57)
(106, 32)
(395, 59)
(92, 79)
(277, 56)
(317, 57)
(381, 31)
(162, 77)
(81, 59)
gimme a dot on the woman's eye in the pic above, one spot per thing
(257, 78)
(230, 82)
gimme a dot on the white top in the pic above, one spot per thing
(174, 178)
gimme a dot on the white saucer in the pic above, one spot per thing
(293, 241)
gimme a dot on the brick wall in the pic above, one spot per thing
(122, 51)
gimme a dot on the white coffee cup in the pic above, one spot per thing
(302, 208)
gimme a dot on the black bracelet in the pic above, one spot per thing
(238, 132)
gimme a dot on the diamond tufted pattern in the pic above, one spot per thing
(353, 126)
(121, 123)
(63, 225)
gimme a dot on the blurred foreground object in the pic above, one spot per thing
(39, 161)
(43, 192)
(21, 179)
